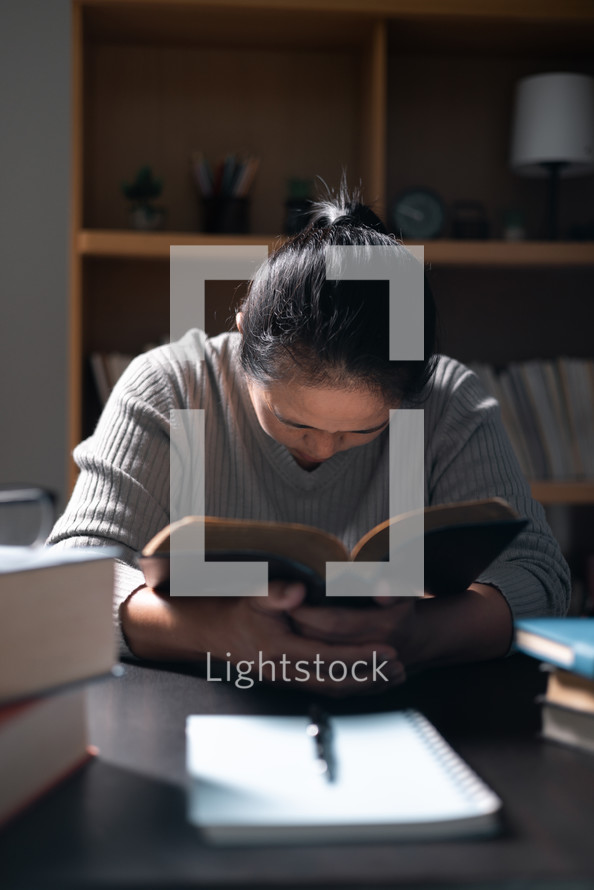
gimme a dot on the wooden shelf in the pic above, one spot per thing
(548, 492)
(154, 245)
(293, 25)
(510, 253)
(137, 245)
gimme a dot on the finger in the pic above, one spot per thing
(295, 648)
(395, 600)
(384, 596)
(382, 592)
(317, 624)
(336, 619)
(281, 597)
(374, 637)
(341, 625)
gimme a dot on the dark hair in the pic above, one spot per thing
(297, 324)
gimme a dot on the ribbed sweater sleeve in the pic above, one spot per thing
(123, 491)
(468, 456)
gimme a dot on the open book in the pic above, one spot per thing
(460, 541)
(256, 780)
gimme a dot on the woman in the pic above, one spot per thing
(297, 409)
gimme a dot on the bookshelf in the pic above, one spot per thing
(572, 493)
(400, 93)
(442, 252)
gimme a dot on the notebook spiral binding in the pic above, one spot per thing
(463, 776)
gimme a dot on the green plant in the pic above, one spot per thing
(144, 188)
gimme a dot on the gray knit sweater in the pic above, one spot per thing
(123, 491)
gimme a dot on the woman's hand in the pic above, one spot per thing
(473, 625)
(259, 634)
(388, 621)
(263, 628)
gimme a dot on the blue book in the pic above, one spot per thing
(565, 642)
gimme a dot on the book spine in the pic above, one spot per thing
(97, 360)
(52, 783)
(542, 402)
(511, 419)
(533, 435)
(583, 662)
(560, 411)
(575, 732)
(576, 384)
(577, 658)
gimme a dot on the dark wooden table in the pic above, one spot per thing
(120, 821)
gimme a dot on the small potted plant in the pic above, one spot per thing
(144, 214)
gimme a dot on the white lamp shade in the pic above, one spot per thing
(553, 121)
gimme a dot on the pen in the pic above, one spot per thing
(320, 730)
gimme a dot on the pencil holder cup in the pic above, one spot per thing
(227, 216)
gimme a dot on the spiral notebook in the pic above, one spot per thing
(255, 780)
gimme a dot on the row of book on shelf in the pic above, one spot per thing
(547, 408)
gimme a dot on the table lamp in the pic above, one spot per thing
(553, 131)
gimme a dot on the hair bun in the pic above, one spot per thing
(344, 210)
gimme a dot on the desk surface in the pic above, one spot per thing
(120, 821)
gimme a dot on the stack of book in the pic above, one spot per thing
(56, 634)
(566, 646)
(547, 410)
